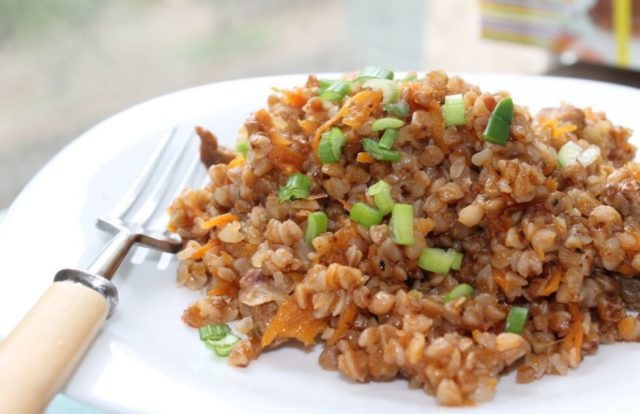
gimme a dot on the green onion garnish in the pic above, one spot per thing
(457, 259)
(388, 138)
(317, 223)
(243, 148)
(375, 72)
(497, 130)
(384, 123)
(323, 84)
(568, 154)
(390, 89)
(453, 110)
(224, 346)
(401, 224)
(213, 332)
(336, 91)
(436, 260)
(516, 319)
(459, 291)
(400, 109)
(378, 153)
(381, 193)
(330, 146)
(411, 76)
(297, 187)
(365, 214)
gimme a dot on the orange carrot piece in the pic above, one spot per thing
(219, 221)
(576, 334)
(294, 98)
(292, 322)
(223, 288)
(238, 161)
(553, 283)
(364, 158)
(345, 320)
(199, 254)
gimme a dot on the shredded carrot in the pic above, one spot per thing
(627, 328)
(238, 161)
(364, 103)
(219, 221)
(328, 124)
(171, 228)
(308, 126)
(501, 280)
(575, 336)
(292, 322)
(424, 225)
(551, 184)
(192, 317)
(553, 283)
(278, 139)
(344, 203)
(364, 158)
(344, 323)
(223, 288)
(294, 98)
(558, 131)
(296, 276)
(199, 254)
(264, 118)
(626, 269)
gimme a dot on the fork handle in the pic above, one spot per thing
(37, 358)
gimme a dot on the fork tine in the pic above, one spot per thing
(161, 186)
(133, 193)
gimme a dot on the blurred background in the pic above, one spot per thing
(67, 64)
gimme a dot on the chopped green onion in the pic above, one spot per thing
(297, 187)
(457, 259)
(390, 89)
(323, 84)
(213, 332)
(388, 138)
(401, 224)
(516, 319)
(378, 153)
(316, 224)
(436, 260)
(459, 291)
(330, 146)
(243, 148)
(379, 187)
(381, 192)
(375, 72)
(568, 154)
(411, 76)
(497, 130)
(453, 110)
(336, 91)
(384, 123)
(365, 214)
(400, 109)
(224, 346)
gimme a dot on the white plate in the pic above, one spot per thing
(147, 360)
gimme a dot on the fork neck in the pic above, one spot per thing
(106, 263)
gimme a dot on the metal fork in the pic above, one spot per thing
(42, 351)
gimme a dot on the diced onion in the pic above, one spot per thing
(568, 154)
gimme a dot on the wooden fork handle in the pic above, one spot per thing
(37, 358)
